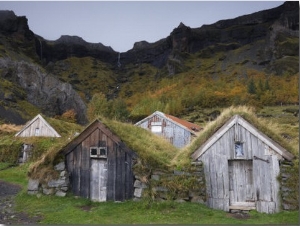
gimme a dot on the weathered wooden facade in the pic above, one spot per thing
(241, 166)
(38, 127)
(177, 131)
(100, 165)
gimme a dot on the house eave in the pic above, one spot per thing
(231, 122)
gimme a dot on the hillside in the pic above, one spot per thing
(252, 59)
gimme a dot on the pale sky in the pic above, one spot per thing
(120, 24)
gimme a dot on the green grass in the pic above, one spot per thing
(70, 210)
(15, 175)
(74, 210)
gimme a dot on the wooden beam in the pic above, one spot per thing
(242, 208)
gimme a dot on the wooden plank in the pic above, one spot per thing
(275, 146)
(111, 167)
(245, 204)
(94, 180)
(76, 172)
(98, 188)
(275, 187)
(123, 173)
(205, 159)
(214, 138)
(241, 186)
(213, 173)
(129, 177)
(242, 208)
(249, 144)
(103, 180)
(219, 204)
(263, 206)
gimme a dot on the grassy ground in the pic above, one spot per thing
(74, 210)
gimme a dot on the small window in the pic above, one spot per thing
(37, 131)
(156, 127)
(94, 151)
(102, 152)
(239, 151)
(98, 152)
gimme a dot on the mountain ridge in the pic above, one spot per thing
(264, 41)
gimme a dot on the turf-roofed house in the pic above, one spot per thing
(177, 131)
(99, 165)
(241, 165)
(37, 127)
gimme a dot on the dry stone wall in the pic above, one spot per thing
(181, 186)
(58, 187)
(288, 186)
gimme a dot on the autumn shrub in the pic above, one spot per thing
(69, 116)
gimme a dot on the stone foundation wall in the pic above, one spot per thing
(288, 186)
(181, 186)
(177, 185)
(57, 187)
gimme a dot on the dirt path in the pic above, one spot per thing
(7, 213)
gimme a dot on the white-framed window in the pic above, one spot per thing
(238, 149)
(37, 131)
(98, 152)
(156, 127)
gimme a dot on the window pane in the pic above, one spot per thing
(156, 129)
(239, 149)
(93, 151)
(37, 131)
(102, 151)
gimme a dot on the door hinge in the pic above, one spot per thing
(265, 160)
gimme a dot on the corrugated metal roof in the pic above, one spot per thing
(184, 123)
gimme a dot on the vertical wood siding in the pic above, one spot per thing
(175, 134)
(261, 184)
(118, 165)
(44, 130)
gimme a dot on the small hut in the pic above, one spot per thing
(99, 165)
(241, 167)
(177, 131)
(37, 127)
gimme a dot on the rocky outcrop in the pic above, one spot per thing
(72, 46)
(10, 23)
(223, 35)
(43, 90)
(265, 42)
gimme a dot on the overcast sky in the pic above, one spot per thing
(120, 24)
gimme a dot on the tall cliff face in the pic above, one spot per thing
(24, 79)
(10, 24)
(72, 46)
(233, 33)
(42, 90)
(264, 41)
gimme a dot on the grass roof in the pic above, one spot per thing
(152, 150)
(268, 127)
(158, 153)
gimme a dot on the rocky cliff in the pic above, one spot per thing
(40, 71)
(223, 35)
(23, 79)
(40, 89)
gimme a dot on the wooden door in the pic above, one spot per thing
(241, 189)
(98, 180)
